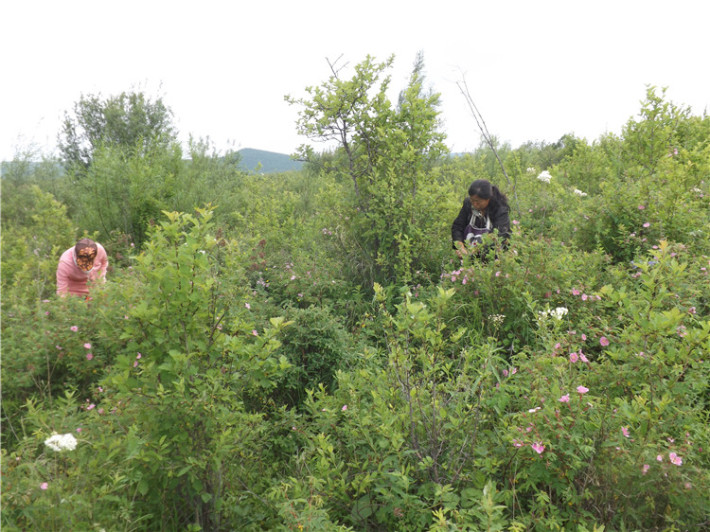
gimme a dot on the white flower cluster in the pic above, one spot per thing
(497, 319)
(557, 313)
(530, 170)
(61, 442)
(579, 192)
(544, 176)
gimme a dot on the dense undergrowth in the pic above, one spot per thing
(302, 353)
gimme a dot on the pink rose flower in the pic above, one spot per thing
(564, 399)
(582, 390)
(675, 459)
(538, 447)
(604, 341)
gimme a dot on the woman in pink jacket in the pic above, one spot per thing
(85, 262)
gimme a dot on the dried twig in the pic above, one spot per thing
(481, 123)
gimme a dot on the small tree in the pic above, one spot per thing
(389, 151)
(130, 120)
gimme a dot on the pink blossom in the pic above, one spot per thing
(625, 431)
(139, 356)
(691, 310)
(558, 345)
(345, 407)
(647, 224)
(87, 345)
(44, 486)
(584, 337)
(675, 459)
(293, 277)
(78, 429)
(564, 399)
(254, 332)
(248, 306)
(575, 292)
(659, 458)
(582, 389)
(513, 371)
(135, 364)
(516, 222)
(538, 447)
(498, 274)
(641, 207)
(585, 297)
(573, 357)
(604, 341)
(74, 328)
(89, 356)
(505, 373)
(517, 443)
(645, 468)
(91, 406)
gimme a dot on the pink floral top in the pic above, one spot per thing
(72, 280)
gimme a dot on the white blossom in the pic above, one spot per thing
(544, 176)
(579, 192)
(61, 442)
(557, 313)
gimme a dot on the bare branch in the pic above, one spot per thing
(481, 123)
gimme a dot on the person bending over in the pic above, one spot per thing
(81, 265)
(484, 211)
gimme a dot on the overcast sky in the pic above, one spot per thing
(535, 69)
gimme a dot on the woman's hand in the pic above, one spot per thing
(461, 250)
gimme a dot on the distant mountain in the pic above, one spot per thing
(271, 162)
(251, 159)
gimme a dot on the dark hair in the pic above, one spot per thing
(485, 190)
(85, 243)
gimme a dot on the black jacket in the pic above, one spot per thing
(497, 213)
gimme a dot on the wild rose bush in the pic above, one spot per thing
(236, 372)
(502, 297)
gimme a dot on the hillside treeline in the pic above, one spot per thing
(304, 351)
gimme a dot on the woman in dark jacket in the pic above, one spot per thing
(484, 211)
